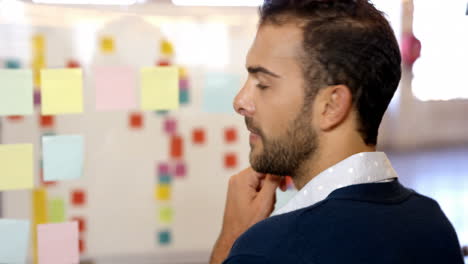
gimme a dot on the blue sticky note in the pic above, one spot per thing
(62, 157)
(14, 238)
(164, 237)
(184, 96)
(12, 64)
(219, 92)
(16, 92)
(165, 179)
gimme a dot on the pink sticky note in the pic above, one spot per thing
(58, 243)
(180, 170)
(115, 88)
(170, 126)
(163, 169)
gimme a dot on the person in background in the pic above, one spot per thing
(321, 76)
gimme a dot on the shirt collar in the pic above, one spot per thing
(365, 167)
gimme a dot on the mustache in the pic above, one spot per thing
(250, 125)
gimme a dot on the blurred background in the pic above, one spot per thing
(153, 183)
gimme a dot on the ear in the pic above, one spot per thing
(336, 105)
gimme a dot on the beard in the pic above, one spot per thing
(284, 156)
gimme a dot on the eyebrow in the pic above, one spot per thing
(259, 69)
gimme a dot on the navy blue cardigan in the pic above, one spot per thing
(382, 223)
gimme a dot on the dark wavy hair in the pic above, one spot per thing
(346, 42)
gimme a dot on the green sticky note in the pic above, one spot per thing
(166, 215)
(160, 88)
(16, 92)
(16, 167)
(57, 210)
(14, 238)
(63, 157)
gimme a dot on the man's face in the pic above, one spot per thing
(272, 102)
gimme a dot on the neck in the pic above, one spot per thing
(334, 152)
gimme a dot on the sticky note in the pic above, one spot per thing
(163, 63)
(14, 240)
(180, 169)
(163, 168)
(164, 179)
(167, 48)
(81, 246)
(183, 73)
(164, 237)
(107, 45)
(16, 92)
(135, 120)
(230, 161)
(16, 169)
(115, 88)
(39, 202)
(63, 157)
(184, 97)
(163, 192)
(58, 243)
(38, 44)
(37, 97)
(176, 147)
(57, 210)
(46, 121)
(198, 136)
(12, 64)
(170, 126)
(166, 215)
(160, 88)
(73, 64)
(15, 118)
(219, 92)
(81, 223)
(230, 135)
(62, 91)
(78, 197)
(184, 84)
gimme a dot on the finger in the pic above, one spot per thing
(269, 185)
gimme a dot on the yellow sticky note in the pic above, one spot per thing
(160, 88)
(166, 215)
(39, 212)
(107, 45)
(163, 192)
(62, 91)
(38, 44)
(167, 48)
(16, 167)
(183, 73)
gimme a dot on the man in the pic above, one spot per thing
(321, 75)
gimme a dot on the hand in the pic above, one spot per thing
(251, 198)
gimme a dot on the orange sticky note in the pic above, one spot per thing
(230, 135)
(177, 150)
(198, 136)
(230, 161)
(136, 120)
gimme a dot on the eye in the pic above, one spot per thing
(261, 86)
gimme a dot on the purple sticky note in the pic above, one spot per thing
(180, 170)
(37, 97)
(163, 169)
(170, 126)
(184, 84)
(115, 88)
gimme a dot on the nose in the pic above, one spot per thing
(244, 103)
